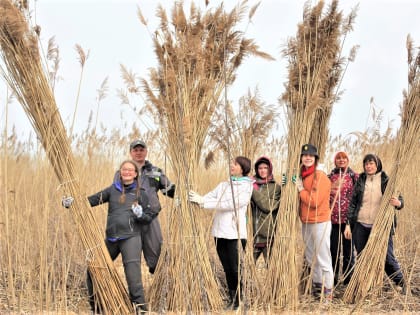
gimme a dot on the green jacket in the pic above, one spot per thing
(265, 204)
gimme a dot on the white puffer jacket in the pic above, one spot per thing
(227, 220)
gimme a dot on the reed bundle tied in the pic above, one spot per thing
(197, 57)
(23, 70)
(369, 268)
(315, 67)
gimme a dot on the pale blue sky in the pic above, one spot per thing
(112, 33)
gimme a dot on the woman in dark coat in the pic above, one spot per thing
(128, 209)
(363, 209)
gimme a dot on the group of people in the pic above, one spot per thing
(337, 212)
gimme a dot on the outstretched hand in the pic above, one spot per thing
(195, 197)
(67, 201)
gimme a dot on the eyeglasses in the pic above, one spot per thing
(131, 170)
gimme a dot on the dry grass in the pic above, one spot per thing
(25, 74)
(33, 199)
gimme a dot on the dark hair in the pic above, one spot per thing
(245, 164)
(372, 157)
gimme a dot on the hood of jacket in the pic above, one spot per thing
(265, 160)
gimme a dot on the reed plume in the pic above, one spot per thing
(25, 74)
(247, 128)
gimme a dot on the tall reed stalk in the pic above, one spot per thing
(25, 74)
(197, 59)
(369, 268)
(314, 69)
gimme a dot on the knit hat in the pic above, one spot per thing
(340, 153)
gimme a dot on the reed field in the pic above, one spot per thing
(43, 263)
(46, 249)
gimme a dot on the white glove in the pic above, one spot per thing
(137, 210)
(194, 197)
(67, 201)
(299, 184)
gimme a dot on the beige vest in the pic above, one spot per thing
(371, 199)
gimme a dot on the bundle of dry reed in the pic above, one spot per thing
(369, 268)
(196, 60)
(24, 73)
(314, 71)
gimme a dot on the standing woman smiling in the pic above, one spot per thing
(343, 180)
(314, 193)
(128, 210)
(230, 199)
(364, 208)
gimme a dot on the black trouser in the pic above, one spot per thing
(392, 268)
(130, 250)
(260, 249)
(227, 250)
(340, 245)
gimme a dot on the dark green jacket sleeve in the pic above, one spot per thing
(267, 200)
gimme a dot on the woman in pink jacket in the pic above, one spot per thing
(343, 180)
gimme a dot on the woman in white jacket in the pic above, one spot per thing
(230, 199)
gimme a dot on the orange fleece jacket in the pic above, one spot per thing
(315, 198)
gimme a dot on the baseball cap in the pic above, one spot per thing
(136, 143)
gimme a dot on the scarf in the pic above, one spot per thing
(240, 178)
(307, 171)
(261, 181)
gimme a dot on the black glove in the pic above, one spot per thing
(146, 218)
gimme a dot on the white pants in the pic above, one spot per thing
(317, 252)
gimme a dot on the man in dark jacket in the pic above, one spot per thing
(152, 180)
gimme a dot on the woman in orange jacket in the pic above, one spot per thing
(314, 193)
